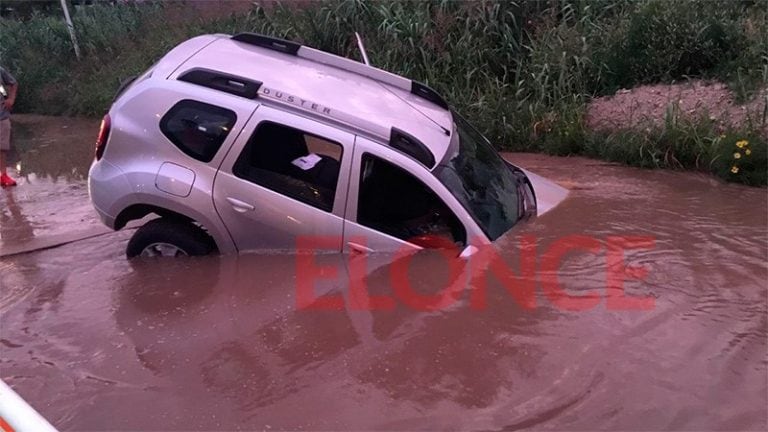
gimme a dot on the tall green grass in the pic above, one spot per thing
(39, 53)
(522, 71)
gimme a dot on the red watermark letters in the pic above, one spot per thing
(535, 269)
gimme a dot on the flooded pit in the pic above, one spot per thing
(95, 342)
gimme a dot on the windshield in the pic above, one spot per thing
(483, 183)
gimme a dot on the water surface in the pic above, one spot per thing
(95, 342)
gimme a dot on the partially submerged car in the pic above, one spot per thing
(249, 142)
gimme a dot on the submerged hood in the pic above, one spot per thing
(548, 193)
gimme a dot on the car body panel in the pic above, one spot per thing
(171, 61)
(107, 182)
(259, 218)
(142, 149)
(175, 179)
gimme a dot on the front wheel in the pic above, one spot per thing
(168, 237)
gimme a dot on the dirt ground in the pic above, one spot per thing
(647, 106)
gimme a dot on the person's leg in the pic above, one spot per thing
(5, 146)
(5, 143)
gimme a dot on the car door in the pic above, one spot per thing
(397, 204)
(283, 185)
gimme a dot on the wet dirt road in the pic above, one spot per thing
(97, 343)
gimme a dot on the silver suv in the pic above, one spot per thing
(249, 142)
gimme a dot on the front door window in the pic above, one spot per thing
(394, 202)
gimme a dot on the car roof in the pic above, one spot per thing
(367, 99)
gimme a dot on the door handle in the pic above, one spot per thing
(358, 248)
(240, 206)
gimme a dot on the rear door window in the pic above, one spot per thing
(198, 129)
(292, 162)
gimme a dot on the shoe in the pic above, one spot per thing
(5, 181)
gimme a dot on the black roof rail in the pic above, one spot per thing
(411, 146)
(427, 93)
(269, 42)
(232, 84)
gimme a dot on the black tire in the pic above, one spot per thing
(190, 239)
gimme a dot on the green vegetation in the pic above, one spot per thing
(523, 72)
(687, 144)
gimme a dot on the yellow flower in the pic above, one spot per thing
(734, 169)
(737, 155)
(747, 152)
(742, 143)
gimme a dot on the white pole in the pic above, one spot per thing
(18, 414)
(71, 28)
(362, 49)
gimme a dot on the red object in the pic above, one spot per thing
(101, 141)
(6, 180)
(431, 241)
(5, 427)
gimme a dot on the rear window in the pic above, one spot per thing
(198, 129)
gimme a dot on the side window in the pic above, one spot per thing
(393, 201)
(196, 128)
(294, 163)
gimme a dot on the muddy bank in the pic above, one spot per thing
(650, 105)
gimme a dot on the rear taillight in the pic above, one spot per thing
(101, 141)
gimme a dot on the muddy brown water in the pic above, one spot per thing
(95, 342)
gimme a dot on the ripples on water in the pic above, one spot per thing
(96, 342)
